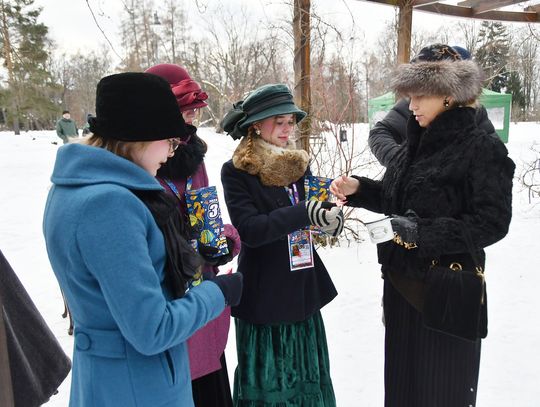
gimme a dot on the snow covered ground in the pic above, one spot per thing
(511, 352)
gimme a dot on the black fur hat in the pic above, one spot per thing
(439, 70)
(136, 106)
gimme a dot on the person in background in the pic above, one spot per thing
(450, 180)
(186, 170)
(387, 135)
(86, 127)
(117, 245)
(280, 336)
(66, 128)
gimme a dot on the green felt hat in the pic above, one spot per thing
(265, 101)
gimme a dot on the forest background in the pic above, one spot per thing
(233, 47)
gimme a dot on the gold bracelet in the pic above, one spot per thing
(398, 240)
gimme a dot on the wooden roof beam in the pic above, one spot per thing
(470, 3)
(467, 12)
(510, 16)
(416, 3)
(388, 2)
(447, 9)
(533, 9)
(484, 6)
(481, 6)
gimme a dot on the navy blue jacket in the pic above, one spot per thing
(264, 216)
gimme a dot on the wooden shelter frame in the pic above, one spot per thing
(478, 9)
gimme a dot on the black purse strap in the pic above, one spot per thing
(472, 250)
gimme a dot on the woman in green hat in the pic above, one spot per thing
(280, 337)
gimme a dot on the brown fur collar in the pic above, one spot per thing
(275, 166)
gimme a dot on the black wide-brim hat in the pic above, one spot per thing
(264, 102)
(136, 106)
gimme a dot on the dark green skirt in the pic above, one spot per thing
(283, 365)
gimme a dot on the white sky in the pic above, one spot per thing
(72, 27)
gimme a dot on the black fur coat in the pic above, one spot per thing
(455, 176)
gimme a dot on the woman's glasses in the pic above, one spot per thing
(174, 143)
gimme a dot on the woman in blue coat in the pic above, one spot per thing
(280, 337)
(123, 269)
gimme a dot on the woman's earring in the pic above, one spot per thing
(257, 132)
(446, 102)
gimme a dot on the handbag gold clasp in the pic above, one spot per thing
(456, 266)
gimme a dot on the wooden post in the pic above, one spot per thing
(404, 31)
(302, 68)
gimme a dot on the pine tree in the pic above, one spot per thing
(493, 53)
(515, 88)
(25, 56)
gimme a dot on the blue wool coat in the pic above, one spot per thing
(109, 255)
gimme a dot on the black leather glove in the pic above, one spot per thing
(231, 287)
(326, 215)
(405, 229)
(208, 254)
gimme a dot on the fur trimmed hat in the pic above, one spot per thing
(439, 70)
(136, 106)
(188, 93)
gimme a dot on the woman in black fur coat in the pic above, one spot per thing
(449, 177)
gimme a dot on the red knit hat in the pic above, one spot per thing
(188, 93)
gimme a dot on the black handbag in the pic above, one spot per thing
(455, 301)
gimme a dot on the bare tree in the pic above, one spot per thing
(530, 175)
(77, 76)
(174, 37)
(469, 31)
(237, 58)
(530, 70)
(138, 32)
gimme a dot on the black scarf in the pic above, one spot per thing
(183, 263)
(186, 160)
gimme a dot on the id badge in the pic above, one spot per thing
(300, 250)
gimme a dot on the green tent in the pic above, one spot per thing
(497, 105)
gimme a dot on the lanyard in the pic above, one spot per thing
(173, 188)
(293, 194)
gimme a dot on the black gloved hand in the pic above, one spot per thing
(231, 287)
(405, 229)
(208, 254)
(326, 215)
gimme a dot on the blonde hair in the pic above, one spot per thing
(247, 160)
(124, 149)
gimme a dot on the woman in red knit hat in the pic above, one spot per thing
(186, 170)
